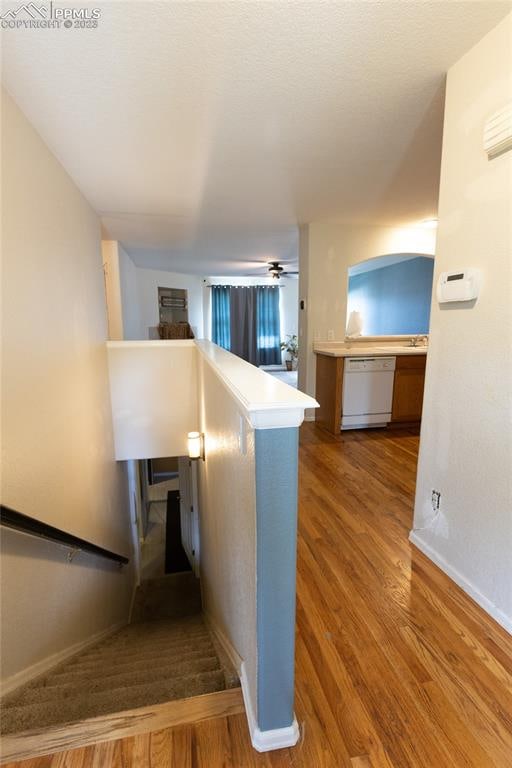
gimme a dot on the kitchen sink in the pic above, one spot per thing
(400, 348)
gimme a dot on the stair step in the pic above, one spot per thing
(187, 622)
(165, 654)
(174, 596)
(101, 668)
(42, 715)
(66, 686)
(153, 630)
(28, 746)
(141, 648)
(171, 581)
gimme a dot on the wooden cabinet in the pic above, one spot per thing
(408, 388)
(329, 392)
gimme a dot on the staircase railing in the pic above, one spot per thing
(10, 518)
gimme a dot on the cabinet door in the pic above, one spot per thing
(329, 385)
(408, 388)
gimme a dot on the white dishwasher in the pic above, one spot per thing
(367, 392)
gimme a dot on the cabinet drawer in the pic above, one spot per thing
(411, 361)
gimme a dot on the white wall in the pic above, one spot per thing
(111, 270)
(466, 439)
(128, 274)
(289, 308)
(327, 250)
(148, 281)
(57, 446)
(227, 507)
(153, 389)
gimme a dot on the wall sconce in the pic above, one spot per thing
(195, 445)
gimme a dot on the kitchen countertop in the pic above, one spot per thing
(358, 350)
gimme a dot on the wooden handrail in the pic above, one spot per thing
(10, 518)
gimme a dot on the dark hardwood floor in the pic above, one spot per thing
(396, 666)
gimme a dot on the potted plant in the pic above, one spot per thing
(291, 345)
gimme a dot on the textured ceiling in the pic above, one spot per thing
(203, 132)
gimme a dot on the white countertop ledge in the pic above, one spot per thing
(370, 350)
(266, 402)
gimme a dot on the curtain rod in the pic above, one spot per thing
(259, 285)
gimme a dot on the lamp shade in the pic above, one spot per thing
(195, 447)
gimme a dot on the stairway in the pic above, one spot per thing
(166, 653)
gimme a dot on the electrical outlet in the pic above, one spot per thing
(330, 335)
(436, 500)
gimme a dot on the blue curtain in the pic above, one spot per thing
(221, 316)
(268, 325)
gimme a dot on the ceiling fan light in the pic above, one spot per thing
(275, 269)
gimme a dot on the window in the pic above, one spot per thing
(246, 321)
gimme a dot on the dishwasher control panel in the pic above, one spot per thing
(360, 364)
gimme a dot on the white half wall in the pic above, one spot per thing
(57, 445)
(227, 508)
(153, 387)
(466, 435)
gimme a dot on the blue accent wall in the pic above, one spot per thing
(394, 299)
(276, 532)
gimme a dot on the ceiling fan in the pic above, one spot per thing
(277, 271)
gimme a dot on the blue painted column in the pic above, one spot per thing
(276, 453)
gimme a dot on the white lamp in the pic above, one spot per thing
(195, 445)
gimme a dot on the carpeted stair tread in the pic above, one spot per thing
(167, 653)
(67, 689)
(155, 626)
(157, 642)
(143, 632)
(93, 704)
(150, 631)
(132, 651)
(149, 662)
(174, 596)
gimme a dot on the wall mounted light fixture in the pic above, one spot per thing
(195, 445)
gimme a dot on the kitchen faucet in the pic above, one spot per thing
(415, 340)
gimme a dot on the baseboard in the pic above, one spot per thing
(265, 741)
(224, 642)
(262, 741)
(40, 667)
(136, 585)
(120, 725)
(496, 613)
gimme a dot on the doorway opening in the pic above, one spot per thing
(168, 520)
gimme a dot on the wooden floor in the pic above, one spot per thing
(395, 665)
